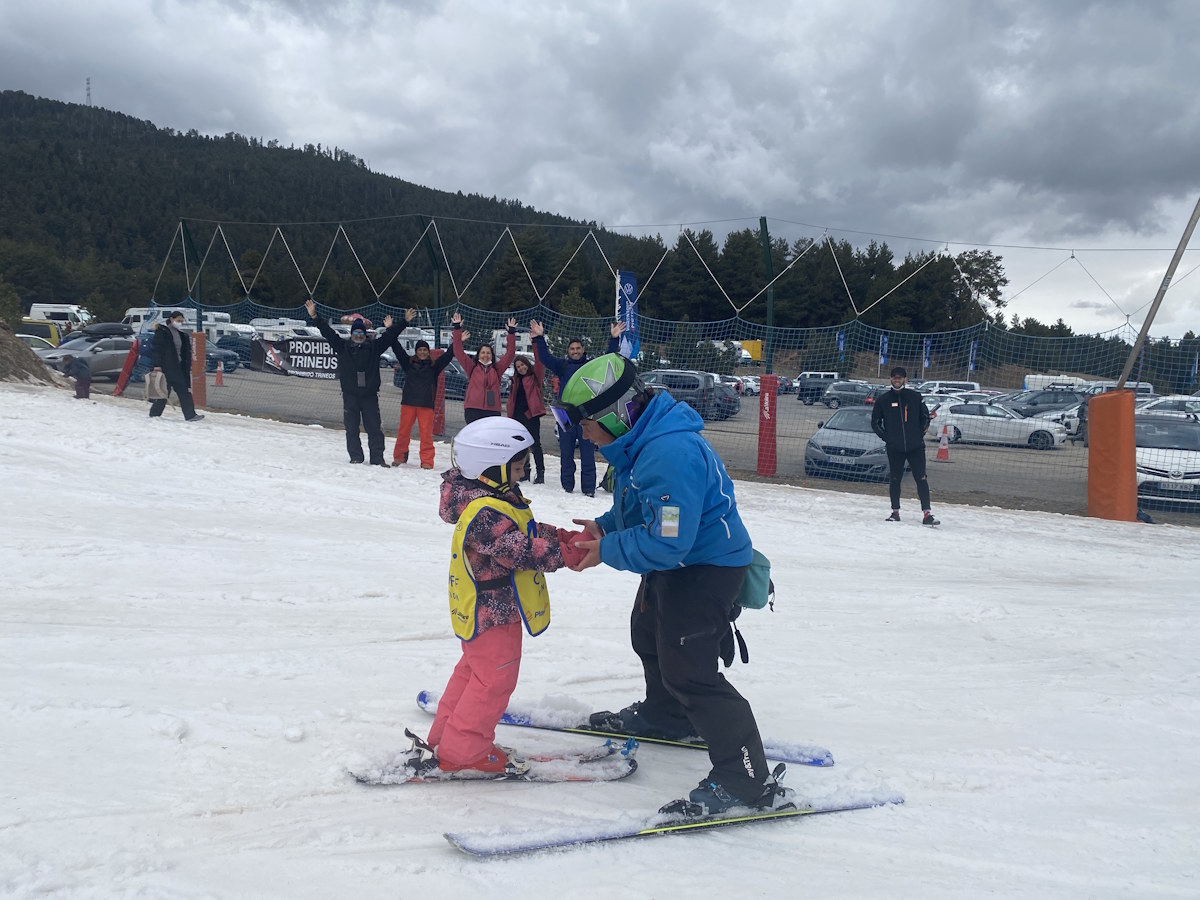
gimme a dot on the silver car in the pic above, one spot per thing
(990, 423)
(105, 357)
(846, 447)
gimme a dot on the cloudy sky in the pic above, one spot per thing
(1031, 128)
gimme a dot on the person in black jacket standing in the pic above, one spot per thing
(358, 371)
(172, 355)
(421, 374)
(900, 418)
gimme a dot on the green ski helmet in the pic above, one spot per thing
(607, 390)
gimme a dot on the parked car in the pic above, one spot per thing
(43, 328)
(104, 357)
(810, 386)
(750, 386)
(1041, 403)
(215, 356)
(937, 404)
(849, 393)
(734, 382)
(38, 345)
(1168, 459)
(1180, 405)
(988, 423)
(846, 447)
(700, 390)
(947, 387)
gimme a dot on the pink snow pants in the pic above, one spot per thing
(477, 695)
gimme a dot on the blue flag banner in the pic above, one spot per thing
(627, 312)
(841, 341)
(928, 342)
(1195, 365)
(883, 349)
(974, 350)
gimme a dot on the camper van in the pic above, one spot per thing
(500, 342)
(281, 329)
(217, 325)
(68, 316)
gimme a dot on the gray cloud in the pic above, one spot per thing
(1011, 122)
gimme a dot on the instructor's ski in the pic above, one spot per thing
(486, 844)
(572, 723)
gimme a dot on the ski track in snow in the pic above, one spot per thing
(202, 625)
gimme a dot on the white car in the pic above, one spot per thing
(1181, 405)
(38, 345)
(938, 404)
(987, 423)
(750, 385)
(1168, 458)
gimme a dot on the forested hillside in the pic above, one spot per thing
(93, 199)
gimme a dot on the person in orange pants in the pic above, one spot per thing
(421, 374)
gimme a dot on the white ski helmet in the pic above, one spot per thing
(493, 441)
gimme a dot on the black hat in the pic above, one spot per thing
(899, 370)
(421, 344)
(358, 325)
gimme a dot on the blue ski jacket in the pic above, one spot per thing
(673, 502)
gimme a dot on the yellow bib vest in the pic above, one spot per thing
(533, 599)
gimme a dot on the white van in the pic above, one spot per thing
(69, 315)
(1141, 389)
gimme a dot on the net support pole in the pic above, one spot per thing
(1158, 298)
(769, 272)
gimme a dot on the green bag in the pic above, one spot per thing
(758, 590)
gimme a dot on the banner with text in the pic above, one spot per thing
(302, 357)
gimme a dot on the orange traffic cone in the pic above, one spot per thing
(220, 382)
(943, 454)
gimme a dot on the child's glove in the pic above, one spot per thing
(567, 540)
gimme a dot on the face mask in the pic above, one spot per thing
(177, 325)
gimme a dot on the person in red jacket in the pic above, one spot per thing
(525, 404)
(483, 371)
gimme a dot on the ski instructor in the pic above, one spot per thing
(675, 522)
(900, 418)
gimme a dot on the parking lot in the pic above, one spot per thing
(1008, 477)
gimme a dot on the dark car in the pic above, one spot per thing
(215, 357)
(1039, 403)
(810, 386)
(849, 393)
(699, 390)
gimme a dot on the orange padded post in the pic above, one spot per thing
(1112, 457)
(199, 385)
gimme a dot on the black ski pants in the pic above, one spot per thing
(182, 386)
(533, 425)
(358, 408)
(680, 622)
(916, 462)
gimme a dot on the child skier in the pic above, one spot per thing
(497, 558)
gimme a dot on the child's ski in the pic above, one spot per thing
(604, 762)
(801, 754)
